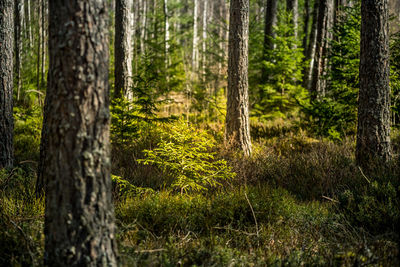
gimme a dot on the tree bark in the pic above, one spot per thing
(310, 55)
(271, 19)
(237, 115)
(6, 83)
(195, 51)
(306, 26)
(325, 17)
(79, 219)
(292, 7)
(123, 53)
(373, 132)
(17, 43)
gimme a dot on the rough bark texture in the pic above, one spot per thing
(18, 8)
(237, 115)
(271, 19)
(123, 55)
(6, 83)
(79, 219)
(373, 132)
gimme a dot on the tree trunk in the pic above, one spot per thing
(18, 43)
(306, 26)
(310, 55)
(79, 219)
(237, 115)
(6, 83)
(204, 44)
(271, 19)
(123, 53)
(373, 132)
(166, 36)
(325, 18)
(292, 7)
(195, 52)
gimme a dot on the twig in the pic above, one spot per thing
(366, 178)
(330, 199)
(252, 211)
(150, 250)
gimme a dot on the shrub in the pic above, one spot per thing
(184, 153)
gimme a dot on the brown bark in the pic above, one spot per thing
(18, 43)
(123, 55)
(6, 83)
(373, 132)
(79, 219)
(237, 115)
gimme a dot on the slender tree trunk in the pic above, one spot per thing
(204, 44)
(271, 19)
(307, 11)
(373, 132)
(292, 7)
(143, 26)
(29, 22)
(310, 56)
(323, 34)
(18, 43)
(166, 36)
(123, 53)
(79, 216)
(237, 115)
(195, 52)
(39, 44)
(6, 83)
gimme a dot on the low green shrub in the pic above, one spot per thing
(185, 154)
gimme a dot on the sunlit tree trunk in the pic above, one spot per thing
(292, 7)
(6, 83)
(310, 55)
(373, 132)
(237, 115)
(18, 22)
(122, 49)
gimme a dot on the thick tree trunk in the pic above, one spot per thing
(79, 219)
(373, 132)
(6, 83)
(271, 19)
(123, 53)
(237, 115)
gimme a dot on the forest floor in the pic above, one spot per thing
(297, 201)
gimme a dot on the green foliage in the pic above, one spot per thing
(27, 132)
(376, 208)
(335, 114)
(282, 91)
(185, 154)
(126, 189)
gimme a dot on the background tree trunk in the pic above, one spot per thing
(123, 53)
(271, 19)
(79, 216)
(195, 52)
(237, 115)
(310, 55)
(373, 132)
(18, 9)
(292, 7)
(6, 83)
